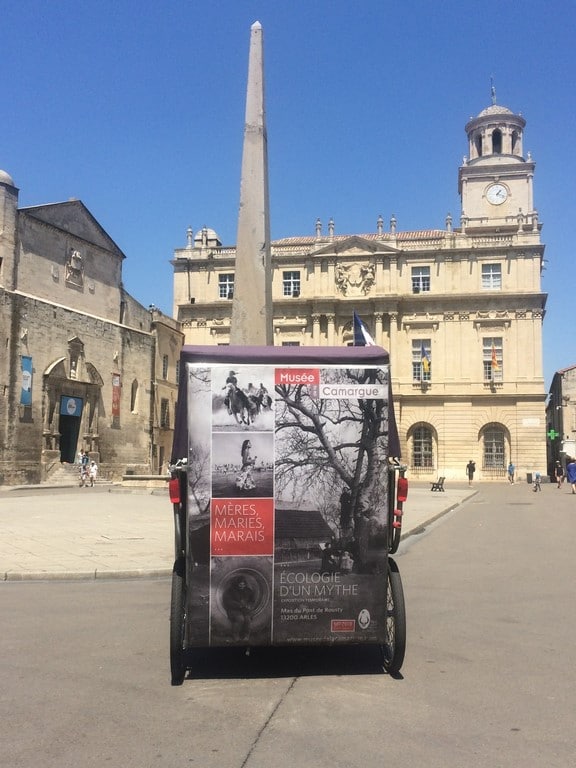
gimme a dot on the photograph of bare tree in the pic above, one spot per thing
(331, 485)
(331, 454)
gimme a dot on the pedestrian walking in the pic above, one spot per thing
(511, 471)
(537, 481)
(93, 473)
(571, 473)
(470, 469)
(559, 473)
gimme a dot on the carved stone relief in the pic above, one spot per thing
(75, 269)
(355, 279)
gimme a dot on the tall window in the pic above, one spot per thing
(164, 367)
(478, 144)
(493, 448)
(226, 286)
(491, 277)
(422, 454)
(134, 396)
(421, 360)
(177, 371)
(420, 279)
(164, 412)
(291, 283)
(497, 142)
(492, 358)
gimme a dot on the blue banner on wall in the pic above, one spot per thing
(70, 406)
(26, 370)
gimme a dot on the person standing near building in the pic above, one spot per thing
(511, 471)
(84, 469)
(559, 473)
(470, 469)
(93, 473)
(571, 473)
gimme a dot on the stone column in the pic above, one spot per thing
(378, 329)
(330, 319)
(252, 304)
(315, 329)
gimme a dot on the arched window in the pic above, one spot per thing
(494, 441)
(478, 144)
(134, 397)
(515, 142)
(497, 142)
(422, 447)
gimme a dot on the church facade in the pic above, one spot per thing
(460, 309)
(83, 365)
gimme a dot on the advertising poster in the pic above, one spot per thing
(287, 504)
(116, 393)
(26, 374)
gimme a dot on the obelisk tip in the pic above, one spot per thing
(256, 25)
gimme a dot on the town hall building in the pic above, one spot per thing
(460, 309)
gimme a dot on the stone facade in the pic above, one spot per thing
(80, 354)
(561, 417)
(460, 309)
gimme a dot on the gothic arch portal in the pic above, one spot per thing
(72, 389)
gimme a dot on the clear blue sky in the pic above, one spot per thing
(137, 108)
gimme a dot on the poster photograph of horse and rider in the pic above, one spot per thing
(241, 399)
(295, 482)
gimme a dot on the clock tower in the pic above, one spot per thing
(495, 180)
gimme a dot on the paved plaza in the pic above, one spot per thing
(113, 532)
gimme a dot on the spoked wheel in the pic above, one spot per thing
(394, 646)
(177, 621)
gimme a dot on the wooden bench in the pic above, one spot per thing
(438, 485)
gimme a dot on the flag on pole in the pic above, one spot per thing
(495, 366)
(425, 359)
(362, 336)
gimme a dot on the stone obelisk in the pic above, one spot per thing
(252, 303)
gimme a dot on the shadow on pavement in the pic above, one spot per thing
(275, 662)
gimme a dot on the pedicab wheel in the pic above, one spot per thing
(394, 646)
(177, 618)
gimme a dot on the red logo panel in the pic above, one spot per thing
(242, 527)
(343, 625)
(287, 376)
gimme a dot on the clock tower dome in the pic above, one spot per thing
(495, 180)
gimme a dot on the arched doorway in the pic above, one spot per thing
(72, 395)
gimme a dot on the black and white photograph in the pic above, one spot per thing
(242, 399)
(331, 518)
(242, 465)
(241, 600)
(199, 441)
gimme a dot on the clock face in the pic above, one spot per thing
(497, 194)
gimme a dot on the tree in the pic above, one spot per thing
(337, 449)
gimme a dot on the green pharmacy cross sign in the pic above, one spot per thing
(553, 434)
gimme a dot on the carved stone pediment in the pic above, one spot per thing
(354, 245)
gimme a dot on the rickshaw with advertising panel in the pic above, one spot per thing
(288, 495)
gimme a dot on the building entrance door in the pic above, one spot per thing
(69, 427)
